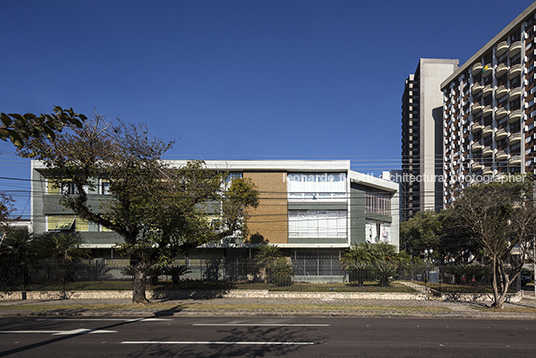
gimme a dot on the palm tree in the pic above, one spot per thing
(357, 260)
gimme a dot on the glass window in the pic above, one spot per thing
(317, 223)
(316, 186)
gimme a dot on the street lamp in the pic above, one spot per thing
(427, 254)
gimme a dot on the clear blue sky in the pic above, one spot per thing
(249, 79)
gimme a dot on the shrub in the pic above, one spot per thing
(280, 273)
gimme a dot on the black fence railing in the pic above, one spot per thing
(108, 274)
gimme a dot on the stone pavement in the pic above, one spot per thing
(525, 309)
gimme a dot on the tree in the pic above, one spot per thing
(278, 270)
(6, 208)
(382, 259)
(501, 219)
(421, 232)
(157, 209)
(59, 246)
(20, 127)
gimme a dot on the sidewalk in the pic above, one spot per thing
(526, 309)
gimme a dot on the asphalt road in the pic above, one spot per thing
(264, 337)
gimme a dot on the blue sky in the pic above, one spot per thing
(249, 79)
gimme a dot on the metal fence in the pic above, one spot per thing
(306, 268)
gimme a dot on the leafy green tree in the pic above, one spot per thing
(501, 219)
(157, 209)
(59, 246)
(18, 247)
(421, 232)
(20, 127)
(357, 260)
(382, 259)
(6, 208)
(278, 270)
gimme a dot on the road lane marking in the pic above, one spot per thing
(220, 343)
(262, 324)
(57, 333)
(107, 319)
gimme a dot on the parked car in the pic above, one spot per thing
(526, 277)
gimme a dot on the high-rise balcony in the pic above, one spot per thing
(477, 67)
(476, 127)
(476, 166)
(476, 147)
(501, 155)
(514, 138)
(514, 116)
(500, 134)
(515, 48)
(487, 90)
(476, 108)
(487, 131)
(487, 151)
(501, 48)
(514, 94)
(487, 70)
(501, 113)
(487, 110)
(476, 88)
(514, 71)
(501, 70)
(487, 171)
(501, 91)
(514, 160)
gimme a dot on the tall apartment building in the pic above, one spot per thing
(489, 109)
(422, 136)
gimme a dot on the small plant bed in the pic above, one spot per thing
(194, 285)
(343, 287)
(451, 288)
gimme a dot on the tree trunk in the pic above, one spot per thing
(139, 284)
(496, 298)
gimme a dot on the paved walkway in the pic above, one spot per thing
(526, 309)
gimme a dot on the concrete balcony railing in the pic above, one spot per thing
(501, 155)
(514, 116)
(487, 171)
(476, 147)
(501, 113)
(487, 131)
(487, 151)
(514, 138)
(487, 110)
(500, 134)
(501, 91)
(501, 48)
(487, 70)
(501, 70)
(487, 90)
(514, 94)
(476, 127)
(476, 108)
(477, 67)
(514, 71)
(515, 48)
(515, 160)
(476, 166)
(476, 88)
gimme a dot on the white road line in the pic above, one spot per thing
(107, 319)
(57, 333)
(262, 324)
(220, 343)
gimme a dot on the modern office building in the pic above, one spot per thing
(305, 206)
(489, 109)
(422, 137)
